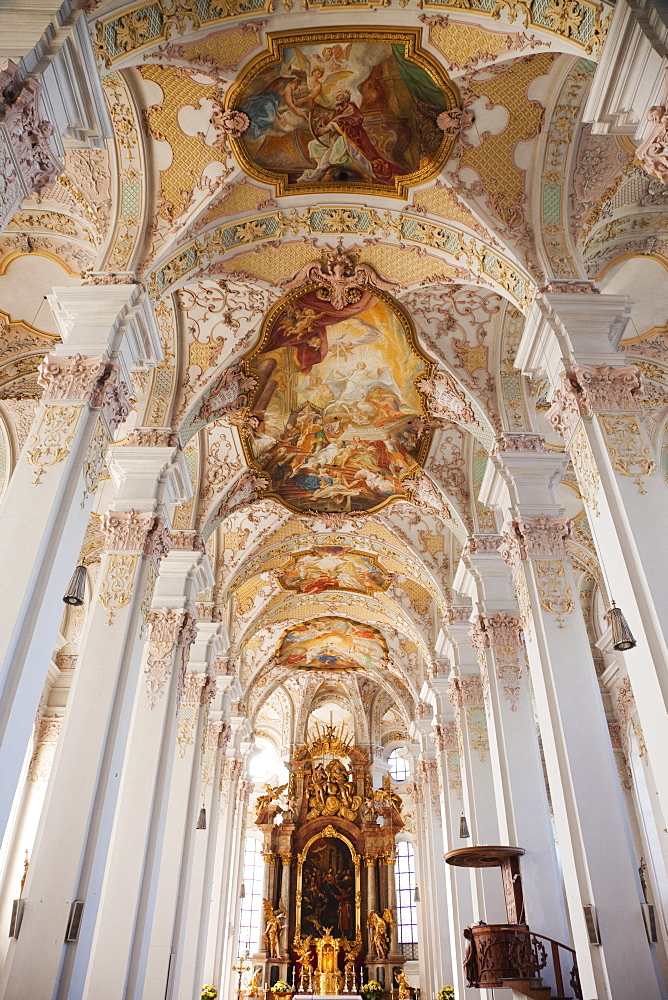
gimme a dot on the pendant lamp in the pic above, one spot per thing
(201, 819)
(463, 827)
(76, 588)
(622, 637)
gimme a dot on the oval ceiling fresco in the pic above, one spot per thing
(331, 112)
(339, 418)
(332, 644)
(332, 567)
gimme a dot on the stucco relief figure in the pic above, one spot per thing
(273, 928)
(378, 934)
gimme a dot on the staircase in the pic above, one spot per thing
(512, 957)
(532, 989)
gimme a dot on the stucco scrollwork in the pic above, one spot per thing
(627, 447)
(554, 592)
(116, 589)
(589, 481)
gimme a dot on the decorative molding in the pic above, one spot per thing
(131, 530)
(230, 394)
(116, 590)
(445, 399)
(339, 277)
(523, 601)
(479, 544)
(628, 449)
(73, 377)
(589, 481)
(653, 151)
(164, 627)
(27, 162)
(47, 734)
(554, 592)
(51, 442)
(94, 460)
(152, 437)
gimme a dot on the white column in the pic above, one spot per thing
(106, 330)
(598, 870)
(199, 902)
(165, 952)
(571, 340)
(126, 910)
(466, 695)
(77, 822)
(521, 797)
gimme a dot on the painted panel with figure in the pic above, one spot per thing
(332, 567)
(326, 112)
(328, 889)
(339, 418)
(332, 644)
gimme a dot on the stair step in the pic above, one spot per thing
(533, 991)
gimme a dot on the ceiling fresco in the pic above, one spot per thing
(332, 567)
(339, 418)
(332, 644)
(327, 113)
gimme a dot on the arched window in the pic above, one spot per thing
(251, 901)
(404, 875)
(399, 769)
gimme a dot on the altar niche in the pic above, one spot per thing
(329, 849)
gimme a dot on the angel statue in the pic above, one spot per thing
(273, 928)
(403, 984)
(378, 933)
(271, 794)
(253, 984)
(302, 950)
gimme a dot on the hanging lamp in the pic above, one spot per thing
(622, 636)
(201, 819)
(76, 588)
(464, 832)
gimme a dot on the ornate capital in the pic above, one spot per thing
(476, 544)
(208, 690)
(152, 437)
(74, 377)
(499, 631)
(445, 399)
(164, 624)
(459, 613)
(587, 389)
(164, 627)
(216, 736)
(519, 442)
(132, 531)
(27, 162)
(445, 737)
(535, 538)
(466, 691)
(187, 541)
(191, 691)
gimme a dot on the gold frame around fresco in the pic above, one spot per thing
(328, 833)
(427, 372)
(348, 590)
(280, 40)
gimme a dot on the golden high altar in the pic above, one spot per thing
(329, 891)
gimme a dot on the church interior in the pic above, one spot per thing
(333, 461)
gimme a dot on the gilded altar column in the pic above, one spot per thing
(522, 806)
(106, 330)
(571, 340)
(602, 886)
(77, 825)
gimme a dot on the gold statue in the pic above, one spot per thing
(273, 928)
(271, 794)
(403, 984)
(378, 933)
(253, 986)
(387, 796)
(331, 791)
(302, 950)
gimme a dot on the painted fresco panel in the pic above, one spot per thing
(339, 415)
(332, 567)
(331, 644)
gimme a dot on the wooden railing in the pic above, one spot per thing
(551, 968)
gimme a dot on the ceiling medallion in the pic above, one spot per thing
(332, 644)
(356, 113)
(338, 421)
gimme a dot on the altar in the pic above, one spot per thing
(329, 907)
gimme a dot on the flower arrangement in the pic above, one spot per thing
(447, 993)
(281, 987)
(372, 990)
(209, 993)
